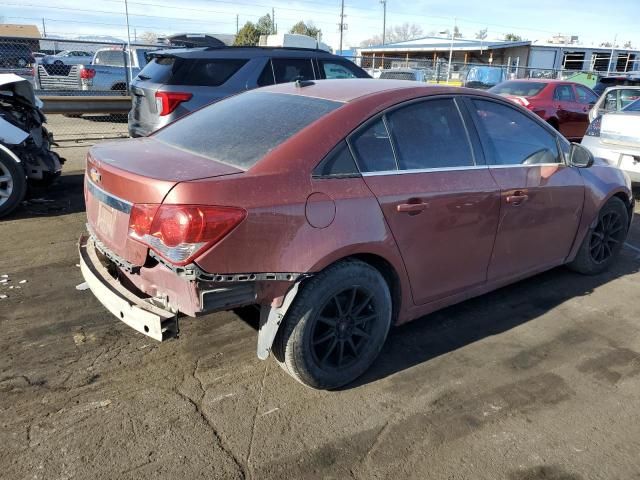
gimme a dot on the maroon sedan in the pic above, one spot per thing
(565, 105)
(340, 208)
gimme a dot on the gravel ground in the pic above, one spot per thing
(539, 380)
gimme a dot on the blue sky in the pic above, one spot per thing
(592, 20)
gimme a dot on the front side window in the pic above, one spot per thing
(628, 96)
(430, 134)
(585, 95)
(373, 150)
(509, 137)
(292, 69)
(563, 93)
(611, 101)
(333, 70)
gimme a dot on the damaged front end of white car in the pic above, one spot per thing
(26, 158)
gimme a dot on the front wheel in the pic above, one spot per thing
(13, 184)
(336, 326)
(603, 242)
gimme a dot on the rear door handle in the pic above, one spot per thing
(517, 199)
(412, 207)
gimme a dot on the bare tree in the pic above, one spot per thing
(482, 34)
(456, 32)
(628, 44)
(149, 38)
(398, 33)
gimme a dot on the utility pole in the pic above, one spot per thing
(237, 23)
(273, 20)
(128, 60)
(44, 28)
(384, 20)
(341, 24)
(455, 21)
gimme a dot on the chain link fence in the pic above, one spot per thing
(85, 85)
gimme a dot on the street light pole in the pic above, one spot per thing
(384, 20)
(127, 54)
(341, 24)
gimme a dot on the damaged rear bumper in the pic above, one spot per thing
(139, 314)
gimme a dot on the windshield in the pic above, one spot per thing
(632, 107)
(242, 129)
(520, 89)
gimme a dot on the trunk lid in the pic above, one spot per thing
(621, 129)
(121, 174)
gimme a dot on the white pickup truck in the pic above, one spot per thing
(615, 137)
(108, 71)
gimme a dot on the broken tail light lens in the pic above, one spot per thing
(179, 233)
(87, 73)
(169, 101)
(594, 128)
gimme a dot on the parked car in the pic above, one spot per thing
(176, 82)
(340, 207)
(107, 71)
(413, 74)
(26, 158)
(614, 99)
(631, 79)
(615, 137)
(564, 105)
(484, 77)
(68, 57)
(15, 55)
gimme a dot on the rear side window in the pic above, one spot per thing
(242, 129)
(158, 70)
(585, 95)
(373, 149)
(338, 163)
(511, 138)
(111, 58)
(266, 77)
(430, 134)
(292, 69)
(331, 69)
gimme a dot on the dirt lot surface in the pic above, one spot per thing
(540, 380)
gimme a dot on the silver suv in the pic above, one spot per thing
(176, 82)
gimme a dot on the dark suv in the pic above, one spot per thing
(176, 82)
(15, 55)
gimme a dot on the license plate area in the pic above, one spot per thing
(106, 220)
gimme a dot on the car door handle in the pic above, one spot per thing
(517, 199)
(412, 207)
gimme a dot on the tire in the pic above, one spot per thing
(603, 242)
(13, 184)
(323, 349)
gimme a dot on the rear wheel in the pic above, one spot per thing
(336, 326)
(603, 242)
(13, 184)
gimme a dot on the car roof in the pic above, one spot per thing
(351, 89)
(244, 52)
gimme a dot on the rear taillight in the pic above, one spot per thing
(169, 101)
(594, 128)
(521, 101)
(179, 233)
(87, 73)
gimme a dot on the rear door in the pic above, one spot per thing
(541, 196)
(437, 196)
(567, 110)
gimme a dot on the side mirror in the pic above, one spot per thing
(579, 156)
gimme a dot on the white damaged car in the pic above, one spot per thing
(615, 137)
(25, 144)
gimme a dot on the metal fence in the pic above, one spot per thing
(85, 85)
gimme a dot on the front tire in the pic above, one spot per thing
(603, 242)
(13, 184)
(336, 326)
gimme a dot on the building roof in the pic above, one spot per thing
(444, 44)
(12, 30)
(581, 47)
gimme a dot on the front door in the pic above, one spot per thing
(541, 196)
(585, 100)
(564, 102)
(441, 206)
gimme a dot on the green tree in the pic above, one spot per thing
(512, 37)
(247, 36)
(302, 28)
(265, 25)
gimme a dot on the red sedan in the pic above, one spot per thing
(565, 105)
(340, 208)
